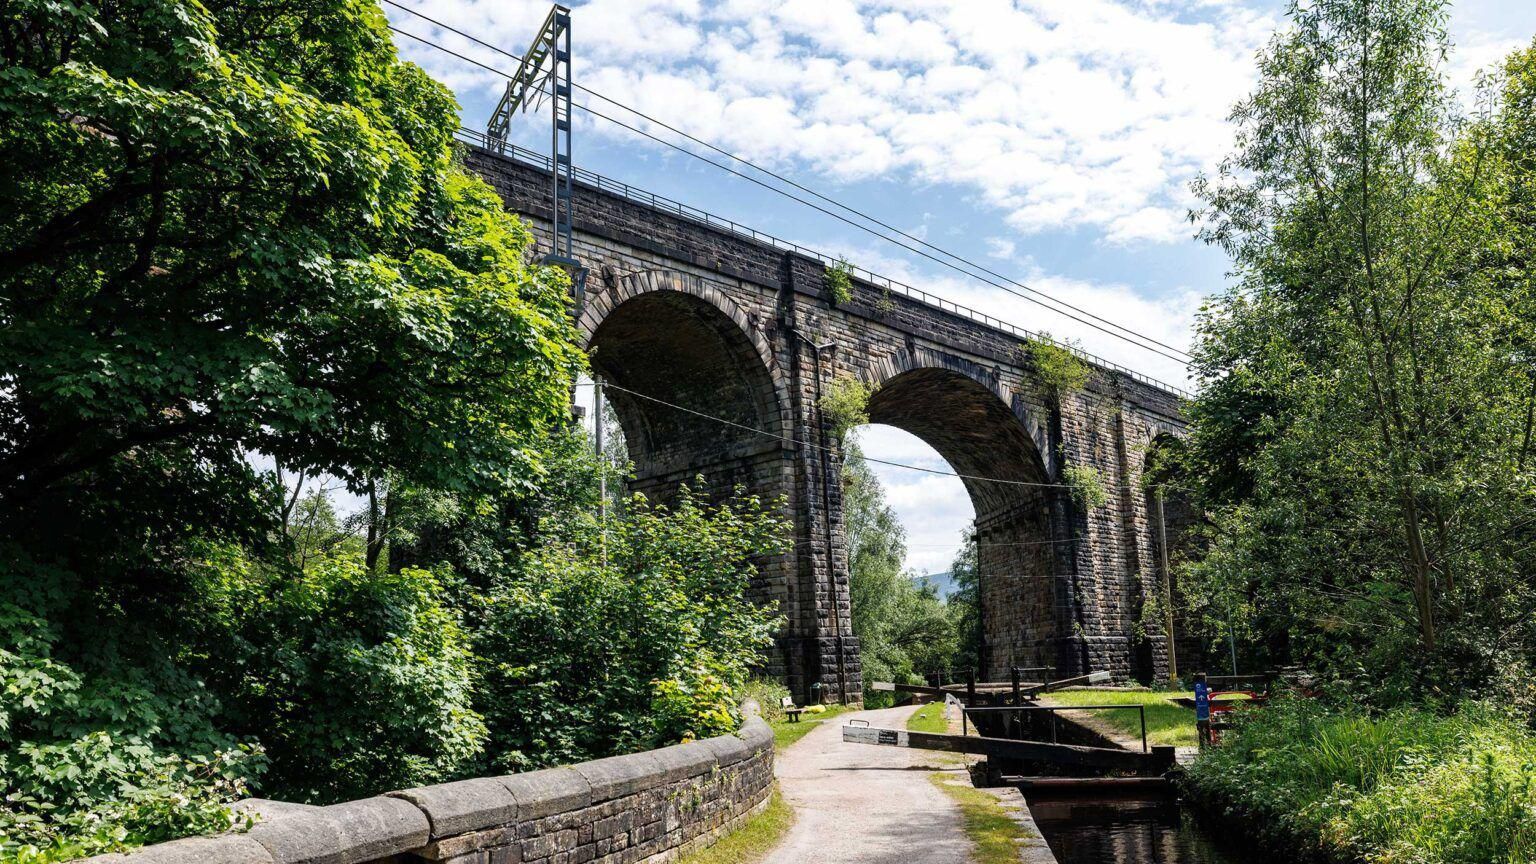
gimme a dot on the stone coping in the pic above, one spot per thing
(418, 821)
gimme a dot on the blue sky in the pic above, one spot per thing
(1051, 140)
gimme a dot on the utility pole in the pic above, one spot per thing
(602, 464)
(1162, 553)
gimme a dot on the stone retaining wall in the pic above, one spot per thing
(643, 807)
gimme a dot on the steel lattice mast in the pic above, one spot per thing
(545, 71)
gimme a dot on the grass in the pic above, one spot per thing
(786, 732)
(1386, 788)
(1167, 724)
(929, 718)
(752, 840)
(994, 833)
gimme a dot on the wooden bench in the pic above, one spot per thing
(788, 704)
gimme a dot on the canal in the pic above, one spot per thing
(1129, 832)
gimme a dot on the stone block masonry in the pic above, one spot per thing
(642, 807)
(689, 317)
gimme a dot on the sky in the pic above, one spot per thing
(1050, 140)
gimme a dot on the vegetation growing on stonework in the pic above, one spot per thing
(845, 404)
(1087, 484)
(839, 281)
(1058, 368)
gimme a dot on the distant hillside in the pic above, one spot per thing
(943, 583)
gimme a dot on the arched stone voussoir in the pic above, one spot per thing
(890, 366)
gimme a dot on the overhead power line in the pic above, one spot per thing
(1021, 290)
(789, 439)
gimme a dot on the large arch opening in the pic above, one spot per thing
(987, 441)
(669, 358)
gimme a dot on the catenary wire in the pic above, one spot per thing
(607, 385)
(1183, 361)
(784, 179)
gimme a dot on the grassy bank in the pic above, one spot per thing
(1405, 787)
(1167, 723)
(787, 732)
(753, 840)
(993, 831)
(929, 718)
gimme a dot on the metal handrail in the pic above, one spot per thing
(659, 202)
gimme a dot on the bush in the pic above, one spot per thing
(609, 640)
(845, 405)
(355, 681)
(1059, 369)
(1402, 786)
(100, 756)
(1088, 488)
(839, 282)
(767, 693)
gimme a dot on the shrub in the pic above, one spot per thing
(1402, 786)
(97, 757)
(767, 693)
(845, 404)
(839, 282)
(607, 641)
(1088, 488)
(1059, 369)
(356, 681)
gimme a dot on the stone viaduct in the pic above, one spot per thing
(699, 313)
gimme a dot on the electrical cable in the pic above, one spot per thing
(783, 179)
(609, 385)
(1184, 361)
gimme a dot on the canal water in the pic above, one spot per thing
(1130, 832)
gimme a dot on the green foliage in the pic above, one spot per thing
(602, 642)
(354, 681)
(964, 603)
(904, 630)
(234, 231)
(1401, 786)
(100, 754)
(1088, 487)
(839, 282)
(845, 405)
(1058, 368)
(768, 694)
(1362, 439)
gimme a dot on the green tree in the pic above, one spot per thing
(904, 630)
(235, 230)
(1361, 432)
(231, 232)
(964, 603)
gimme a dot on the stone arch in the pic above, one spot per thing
(674, 344)
(988, 433)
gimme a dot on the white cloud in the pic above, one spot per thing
(1000, 247)
(1091, 113)
(935, 509)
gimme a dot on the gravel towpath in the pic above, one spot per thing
(858, 804)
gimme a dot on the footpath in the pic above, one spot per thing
(856, 804)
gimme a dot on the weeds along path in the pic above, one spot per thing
(857, 804)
